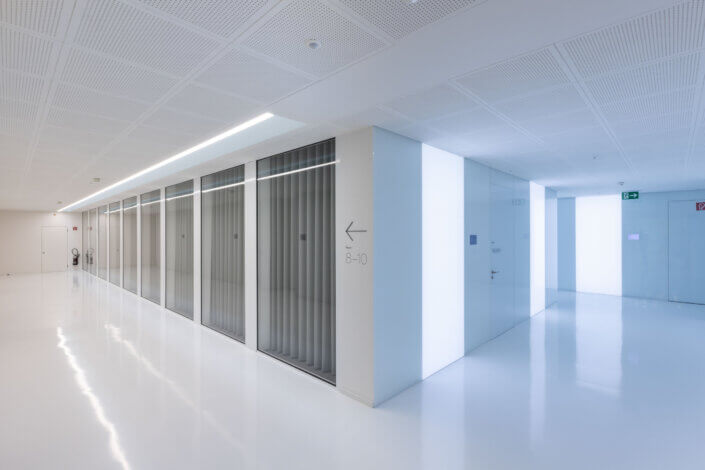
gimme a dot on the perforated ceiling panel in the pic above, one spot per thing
(40, 16)
(431, 103)
(473, 120)
(24, 52)
(89, 122)
(211, 104)
(131, 34)
(244, 75)
(398, 18)
(221, 17)
(285, 38)
(20, 86)
(85, 100)
(561, 99)
(516, 77)
(114, 77)
(654, 36)
(638, 108)
(659, 77)
(177, 121)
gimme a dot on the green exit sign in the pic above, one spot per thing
(630, 195)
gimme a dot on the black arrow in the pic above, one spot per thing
(348, 231)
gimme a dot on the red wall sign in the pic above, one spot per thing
(700, 206)
(75, 229)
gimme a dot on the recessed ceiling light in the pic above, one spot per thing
(224, 135)
(313, 44)
(410, 2)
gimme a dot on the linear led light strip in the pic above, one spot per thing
(296, 171)
(245, 125)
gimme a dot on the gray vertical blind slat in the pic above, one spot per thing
(296, 233)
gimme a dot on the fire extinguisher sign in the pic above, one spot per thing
(700, 206)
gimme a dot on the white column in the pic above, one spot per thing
(251, 255)
(162, 248)
(197, 250)
(107, 243)
(139, 246)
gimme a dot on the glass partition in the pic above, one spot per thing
(295, 259)
(114, 243)
(150, 225)
(84, 240)
(129, 244)
(179, 248)
(93, 241)
(223, 251)
(103, 242)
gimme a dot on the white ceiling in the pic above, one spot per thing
(575, 95)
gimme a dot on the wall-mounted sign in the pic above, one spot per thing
(633, 236)
(700, 206)
(473, 239)
(630, 195)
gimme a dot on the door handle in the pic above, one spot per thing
(492, 273)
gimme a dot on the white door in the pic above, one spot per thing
(54, 249)
(686, 253)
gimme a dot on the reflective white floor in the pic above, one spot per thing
(93, 377)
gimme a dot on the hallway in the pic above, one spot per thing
(95, 377)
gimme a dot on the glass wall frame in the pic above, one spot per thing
(114, 248)
(179, 248)
(296, 258)
(103, 242)
(223, 252)
(84, 240)
(150, 245)
(129, 244)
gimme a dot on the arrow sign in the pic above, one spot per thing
(350, 230)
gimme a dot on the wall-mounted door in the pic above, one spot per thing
(501, 274)
(686, 252)
(54, 249)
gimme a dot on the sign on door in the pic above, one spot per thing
(700, 206)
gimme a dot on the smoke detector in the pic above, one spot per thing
(313, 44)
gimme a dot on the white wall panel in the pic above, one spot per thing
(443, 317)
(598, 244)
(537, 237)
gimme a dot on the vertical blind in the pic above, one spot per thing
(129, 244)
(223, 251)
(84, 240)
(103, 242)
(296, 262)
(93, 240)
(114, 243)
(150, 245)
(179, 248)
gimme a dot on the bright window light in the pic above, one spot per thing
(245, 125)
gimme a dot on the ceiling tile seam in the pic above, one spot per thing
(509, 121)
(640, 65)
(273, 61)
(699, 111)
(188, 79)
(175, 20)
(66, 31)
(358, 20)
(563, 59)
(28, 32)
(122, 61)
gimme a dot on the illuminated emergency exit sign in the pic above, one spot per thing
(630, 195)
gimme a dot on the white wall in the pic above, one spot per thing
(443, 314)
(598, 244)
(537, 237)
(21, 238)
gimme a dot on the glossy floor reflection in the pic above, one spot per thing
(94, 377)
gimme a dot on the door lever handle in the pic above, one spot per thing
(492, 273)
